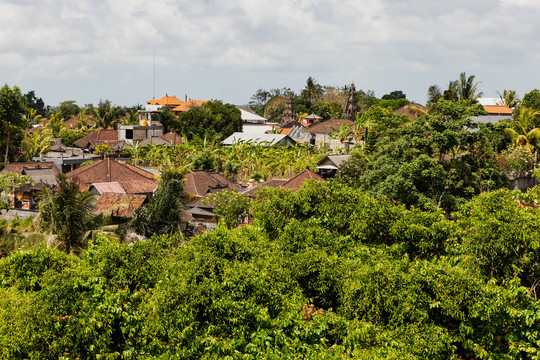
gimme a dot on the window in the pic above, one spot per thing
(129, 133)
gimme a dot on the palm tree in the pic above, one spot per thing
(67, 212)
(525, 133)
(452, 92)
(509, 98)
(32, 117)
(312, 90)
(106, 115)
(55, 124)
(467, 88)
(433, 94)
(37, 144)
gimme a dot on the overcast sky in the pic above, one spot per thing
(226, 49)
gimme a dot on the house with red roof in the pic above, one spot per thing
(131, 178)
(43, 174)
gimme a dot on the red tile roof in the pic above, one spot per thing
(119, 205)
(98, 135)
(200, 182)
(329, 126)
(72, 122)
(132, 179)
(19, 167)
(275, 183)
(412, 110)
(297, 181)
(172, 138)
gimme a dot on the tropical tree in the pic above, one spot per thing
(106, 115)
(9, 181)
(524, 132)
(67, 212)
(532, 99)
(467, 88)
(54, 126)
(162, 214)
(434, 93)
(230, 206)
(312, 90)
(68, 109)
(37, 144)
(32, 117)
(12, 109)
(509, 98)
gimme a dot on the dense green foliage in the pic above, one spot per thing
(325, 272)
(433, 162)
(12, 108)
(212, 120)
(67, 212)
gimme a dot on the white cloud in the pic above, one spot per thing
(380, 44)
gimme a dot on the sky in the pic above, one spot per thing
(129, 51)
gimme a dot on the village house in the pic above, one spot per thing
(199, 185)
(26, 197)
(132, 179)
(120, 207)
(329, 166)
(66, 158)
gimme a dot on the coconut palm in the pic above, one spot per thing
(524, 132)
(509, 98)
(54, 126)
(312, 90)
(37, 144)
(467, 88)
(32, 117)
(67, 212)
(106, 115)
(434, 93)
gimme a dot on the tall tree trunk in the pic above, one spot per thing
(7, 143)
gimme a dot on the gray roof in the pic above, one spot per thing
(154, 140)
(250, 115)
(199, 211)
(44, 175)
(256, 139)
(336, 159)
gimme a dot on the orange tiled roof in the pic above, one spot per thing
(153, 102)
(132, 179)
(190, 104)
(169, 101)
(498, 109)
(284, 131)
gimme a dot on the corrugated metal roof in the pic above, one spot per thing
(109, 187)
(249, 116)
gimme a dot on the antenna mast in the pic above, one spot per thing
(154, 70)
